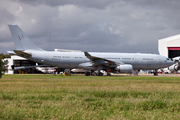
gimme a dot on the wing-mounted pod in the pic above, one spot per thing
(125, 68)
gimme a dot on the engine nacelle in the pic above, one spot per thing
(126, 68)
(174, 67)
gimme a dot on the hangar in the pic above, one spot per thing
(19, 61)
(170, 46)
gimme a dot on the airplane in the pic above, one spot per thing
(46, 69)
(110, 62)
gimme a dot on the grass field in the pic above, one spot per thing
(81, 97)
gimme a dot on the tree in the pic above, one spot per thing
(3, 64)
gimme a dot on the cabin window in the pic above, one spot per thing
(147, 59)
(66, 57)
(126, 58)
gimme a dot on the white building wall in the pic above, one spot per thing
(163, 50)
(173, 43)
(10, 62)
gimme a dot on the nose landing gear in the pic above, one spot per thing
(155, 73)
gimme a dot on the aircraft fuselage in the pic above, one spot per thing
(74, 59)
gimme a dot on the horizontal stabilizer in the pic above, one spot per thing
(23, 54)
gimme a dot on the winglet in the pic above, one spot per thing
(87, 54)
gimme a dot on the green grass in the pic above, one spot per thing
(82, 97)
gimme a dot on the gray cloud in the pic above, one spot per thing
(82, 3)
(108, 25)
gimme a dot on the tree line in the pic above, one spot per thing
(3, 64)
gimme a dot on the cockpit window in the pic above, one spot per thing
(167, 59)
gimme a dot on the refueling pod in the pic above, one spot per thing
(125, 68)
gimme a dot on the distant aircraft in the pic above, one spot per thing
(113, 62)
(46, 69)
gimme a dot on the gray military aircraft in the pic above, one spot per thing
(112, 62)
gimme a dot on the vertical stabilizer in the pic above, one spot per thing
(21, 40)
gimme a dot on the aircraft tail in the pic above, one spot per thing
(21, 40)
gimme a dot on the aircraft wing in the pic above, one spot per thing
(26, 67)
(101, 61)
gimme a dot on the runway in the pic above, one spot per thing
(149, 75)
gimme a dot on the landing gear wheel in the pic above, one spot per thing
(155, 74)
(94, 74)
(87, 73)
(100, 74)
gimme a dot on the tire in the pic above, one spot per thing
(87, 73)
(100, 74)
(94, 74)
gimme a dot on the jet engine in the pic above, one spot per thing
(126, 68)
(174, 67)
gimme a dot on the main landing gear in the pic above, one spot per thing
(94, 73)
(87, 73)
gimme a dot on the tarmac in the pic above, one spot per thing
(149, 75)
(140, 74)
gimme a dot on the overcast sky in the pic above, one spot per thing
(91, 25)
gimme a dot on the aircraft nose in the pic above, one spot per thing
(170, 62)
(167, 62)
